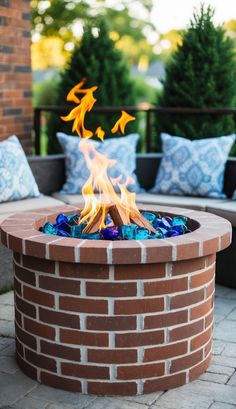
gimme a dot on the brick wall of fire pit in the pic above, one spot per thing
(120, 318)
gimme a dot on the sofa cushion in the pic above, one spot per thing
(16, 178)
(120, 149)
(226, 209)
(194, 168)
(196, 203)
(27, 204)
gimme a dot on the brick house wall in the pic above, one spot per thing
(16, 115)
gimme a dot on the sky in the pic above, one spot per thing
(168, 14)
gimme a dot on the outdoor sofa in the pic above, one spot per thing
(49, 172)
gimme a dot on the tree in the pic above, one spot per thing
(200, 74)
(100, 63)
(61, 17)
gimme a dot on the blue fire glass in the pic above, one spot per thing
(91, 236)
(180, 229)
(63, 233)
(61, 218)
(167, 222)
(63, 226)
(110, 233)
(151, 217)
(172, 233)
(142, 233)
(128, 231)
(48, 228)
(73, 220)
(76, 231)
(108, 219)
(179, 220)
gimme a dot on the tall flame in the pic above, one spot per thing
(97, 205)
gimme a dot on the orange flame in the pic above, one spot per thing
(78, 114)
(97, 206)
(122, 122)
(100, 133)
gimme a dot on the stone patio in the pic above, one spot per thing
(216, 389)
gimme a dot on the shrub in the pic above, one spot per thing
(200, 74)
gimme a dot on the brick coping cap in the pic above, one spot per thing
(20, 233)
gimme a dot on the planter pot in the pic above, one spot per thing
(117, 318)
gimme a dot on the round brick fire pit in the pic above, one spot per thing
(117, 318)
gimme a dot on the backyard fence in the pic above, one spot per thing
(149, 113)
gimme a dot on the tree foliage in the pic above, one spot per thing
(58, 18)
(201, 74)
(100, 63)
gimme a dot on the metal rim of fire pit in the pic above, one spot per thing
(20, 233)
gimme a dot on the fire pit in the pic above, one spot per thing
(121, 317)
(118, 318)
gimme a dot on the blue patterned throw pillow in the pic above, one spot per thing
(16, 178)
(122, 149)
(194, 168)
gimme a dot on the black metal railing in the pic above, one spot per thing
(149, 112)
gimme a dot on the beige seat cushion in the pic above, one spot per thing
(8, 208)
(196, 203)
(227, 209)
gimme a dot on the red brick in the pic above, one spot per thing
(118, 323)
(75, 270)
(201, 309)
(202, 278)
(126, 254)
(85, 371)
(165, 286)
(210, 245)
(60, 285)
(210, 289)
(84, 338)
(211, 259)
(199, 369)
(61, 351)
(17, 286)
(209, 319)
(42, 330)
(201, 339)
(59, 318)
(39, 264)
(18, 317)
(25, 275)
(112, 356)
(40, 361)
(139, 305)
(116, 388)
(60, 382)
(189, 298)
(165, 320)
(186, 361)
(157, 253)
(165, 351)
(165, 382)
(111, 289)
(26, 367)
(186, 331)
(38, 247)
(139, 271)
(63, 250)
(133, 339)
(38, 297)
(98, 254)
(140, 371)
(19, 347)
(208, 348)
(25, 307)
(25, 338)
(85, 305)
(17, 257)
